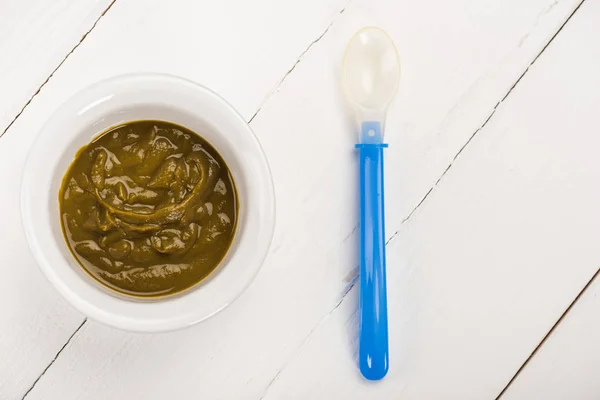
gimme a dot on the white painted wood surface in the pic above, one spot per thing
(467, 304)
(35, 37)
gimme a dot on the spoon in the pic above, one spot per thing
(371, 73)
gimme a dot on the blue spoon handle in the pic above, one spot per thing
(373, 351)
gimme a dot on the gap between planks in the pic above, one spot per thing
(54, 359)
(550, 332)
(278, 85)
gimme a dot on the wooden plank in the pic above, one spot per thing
(35, 37)
(220, 43)
(457, 67)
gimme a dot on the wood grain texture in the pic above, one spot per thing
(292, 333)
(35, 37)
(564, 367)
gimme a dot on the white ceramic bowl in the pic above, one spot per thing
(138, 97)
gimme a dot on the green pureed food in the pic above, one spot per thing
(148, 208)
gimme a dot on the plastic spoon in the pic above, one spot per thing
(371, 74)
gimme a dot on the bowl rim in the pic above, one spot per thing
(170, 312)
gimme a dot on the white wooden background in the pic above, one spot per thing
(492, 199)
